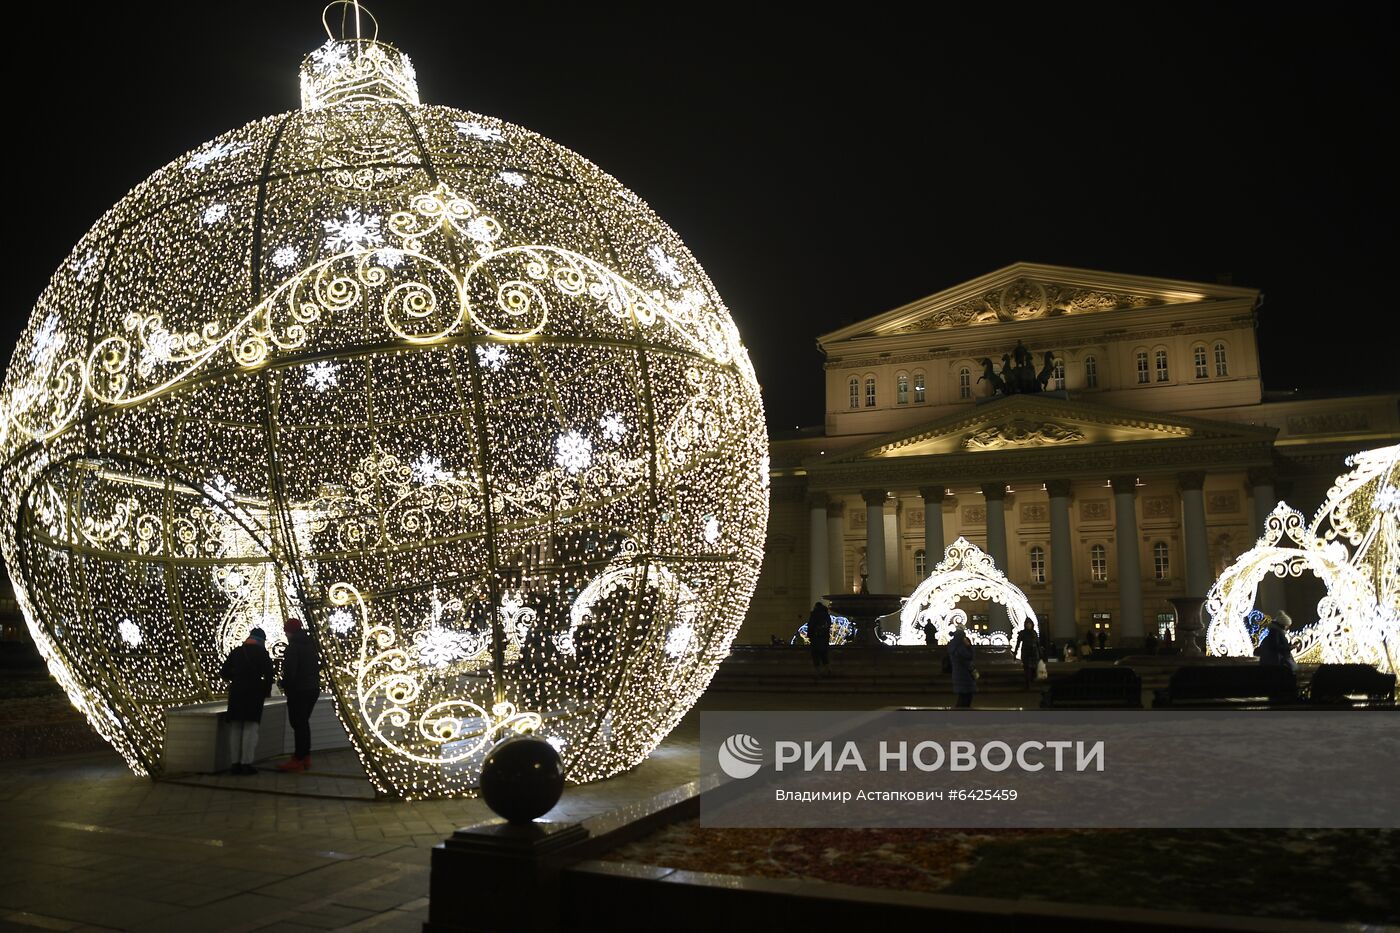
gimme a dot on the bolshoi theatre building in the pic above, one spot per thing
(1106, 438)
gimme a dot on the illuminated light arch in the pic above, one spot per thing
(1352, 546)
(454, 383)
(966, 572)
(842, 632)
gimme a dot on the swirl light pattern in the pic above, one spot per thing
(430, 382)
(966, 572)
(1352, 546)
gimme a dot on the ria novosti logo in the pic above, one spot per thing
(740, 756)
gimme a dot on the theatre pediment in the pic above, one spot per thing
(1029, 291)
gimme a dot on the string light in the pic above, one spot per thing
(437, 386)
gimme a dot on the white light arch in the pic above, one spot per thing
(1353, 546)
(966, 572)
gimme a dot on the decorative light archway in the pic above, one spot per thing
(1352, 546)
(440, 387)
(966, 572)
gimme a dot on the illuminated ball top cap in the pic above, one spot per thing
(424, 379)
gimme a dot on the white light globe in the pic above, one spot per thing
(434, 384)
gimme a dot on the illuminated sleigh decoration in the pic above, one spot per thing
(966, 572)
(1352, 546)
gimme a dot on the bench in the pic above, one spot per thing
(196, 737)
(1233, 685)
(1351, 685)
(1095, 688)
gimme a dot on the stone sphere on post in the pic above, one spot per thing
(522, 779)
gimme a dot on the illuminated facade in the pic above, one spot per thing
(433, 383)
(1147, 466)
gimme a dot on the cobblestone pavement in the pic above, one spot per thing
(87, 846)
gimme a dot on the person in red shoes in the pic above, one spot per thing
(301, 682)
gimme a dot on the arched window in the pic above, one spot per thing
(1058, 375)
(1198, 359)
(869, 391)
(921, 563)
(964, 383)
(1161, 562)
(919, 387)
(1141, 358)
(901, 389)
(855, 393)
(1221, 369)
(1037, 564)
(1091, 372)
(1098, 564)
(1162, 374)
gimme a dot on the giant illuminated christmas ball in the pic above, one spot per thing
(440, 387)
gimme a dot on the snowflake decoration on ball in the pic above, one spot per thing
(213, 214)
(482, 229)
(679, 639)
(342, 621)
(330, 57)
(48, 340)
(211, 154)
(390, 258)
(428, 470)
(491, 357)
(665, 266)
(1388, 499)
(356, 230)
(438, 647)
(130, 632)
(514, 179)
(473, 130)
(284, 257)
(573, 452)
(82, 268)
(614, 428)
(322, 375)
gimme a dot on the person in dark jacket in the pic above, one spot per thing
(1274, 648)
(960, 655)
(819, 635)
(249, 671)
(301, 682)
(1028, 647)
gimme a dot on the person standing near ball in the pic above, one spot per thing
(301, 682)
(249, 672)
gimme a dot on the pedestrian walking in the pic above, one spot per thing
(819, 636)
(960, 658)
(1274, 648)
(301, 682)
(1028, 647)
(249, 672)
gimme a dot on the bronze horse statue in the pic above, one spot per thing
(1018, 376)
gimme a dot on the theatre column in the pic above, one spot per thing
(1062, 562)
(1269, 597)
(818, 567)
(995, 496)
(1193, 520)
(933, 524)
(1131, 632)
(874, 539)
(836, 547)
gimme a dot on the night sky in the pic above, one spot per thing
(825, 170)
